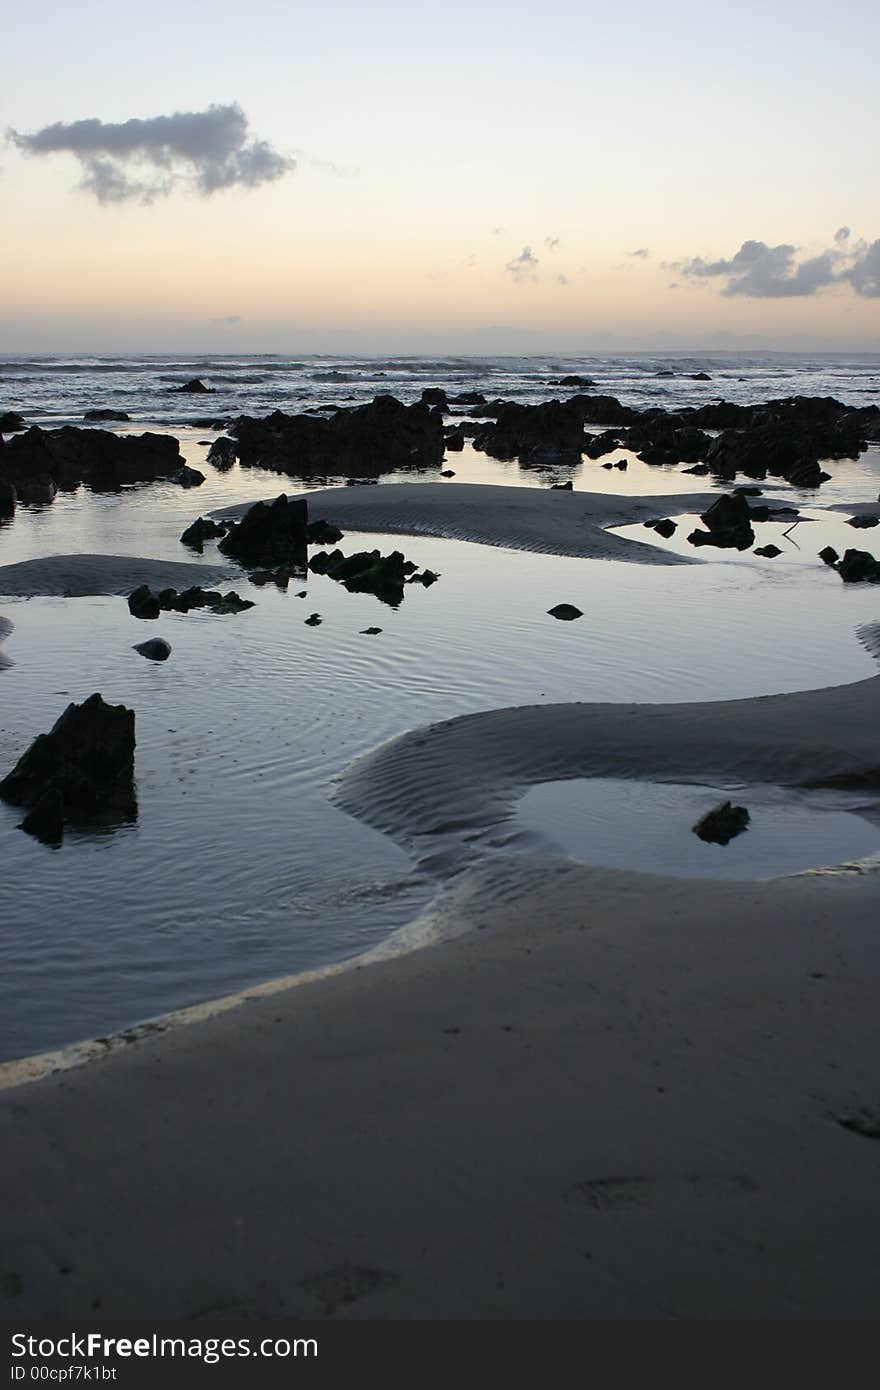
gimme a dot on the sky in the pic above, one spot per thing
(472, 178)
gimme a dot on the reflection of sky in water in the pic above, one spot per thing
(627, 824)
(239, 868)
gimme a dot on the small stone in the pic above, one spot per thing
(722, 823)
(314, 620)
(565, 612)
(155, 649)
(371, 631)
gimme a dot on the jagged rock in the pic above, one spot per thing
(863, 522)
(271, 534)
(367, 572)
(621, 464)
(565, 612)
(106, 415)
(155, 649)
(314, 620)
(829, 555)
(280, 577)
(427, 578)
(222, 453)
(381, 437)
(553, 428)
(468, 398)
(858, 566)
(454, 441)
(729, 523)
(192, 388)
(8, 498)
(83, 768)
(596, 445)
(720, 825)
(370, 631)
(11, 421)
(143, 603)
(435, 395)
(323, 533)
(768, 551)
(203, 530)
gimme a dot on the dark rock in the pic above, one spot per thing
(381, 437)
(454, 441)
(222, 453)
(768, 551)
(621, 464)
(581, 383)
(143, 603)
(468, 398)
(45, 819)
(155, 649)
(857, 567)
(664, 527)
(554, 428)
(596, 445)
(370, 631)
(106, 415)
(98, 458)
(434, 395)
(192, 388)
(565, 612)
(562, 487)
(448, 473)
(314, 620)
(10, 422)
(427, 577)
(863, 522)
(323, 533)
(271, 534)
(188, 477)
(729, 523)
(8, 498)
(367, 572)
(203, 530)
(748, 491)
(699, 470)
(829, 555)
(608, 465)
(665, 372)
(86, 762)
(700, 376)
(720, 825)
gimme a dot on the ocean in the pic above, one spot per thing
(240, 868)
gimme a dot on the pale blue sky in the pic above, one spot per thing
(681, 128)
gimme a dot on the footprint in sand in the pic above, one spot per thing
(336, 1287)
(621, 1194)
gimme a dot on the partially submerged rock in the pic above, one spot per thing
(143, 603)
(323, 533)
(722, 824)
(271, 534)
(768, 551)
(194, 387)
(222, 453)
(203, 530)
(367, 572)
(858, 566)
(82, 771)
(565, 612)
(11, 421)
(863, 522)
(106, 415)
(155, 649)
(380, 437)
(102, 460)
(188, 477)
(729, 523)
(664, 526)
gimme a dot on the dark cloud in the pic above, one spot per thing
(760, 271)
(207, 151)
(524, 266)
(641, 251)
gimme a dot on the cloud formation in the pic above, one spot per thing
(641, 252)
(760, 271)
(524, 266)
(205, 151)
(552, 243)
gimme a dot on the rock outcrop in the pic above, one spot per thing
(81, 772)
(271, 534)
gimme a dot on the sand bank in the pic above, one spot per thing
(613, 1096)
(549, 522)
(435, 789)
(80, 576)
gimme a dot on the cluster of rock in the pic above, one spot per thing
(38, 463)
(380, 437)
(143, 603)
(856, 566)
(80, 773)
(369, 572)
(785, 438)
(270, 533)
(729, 522)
